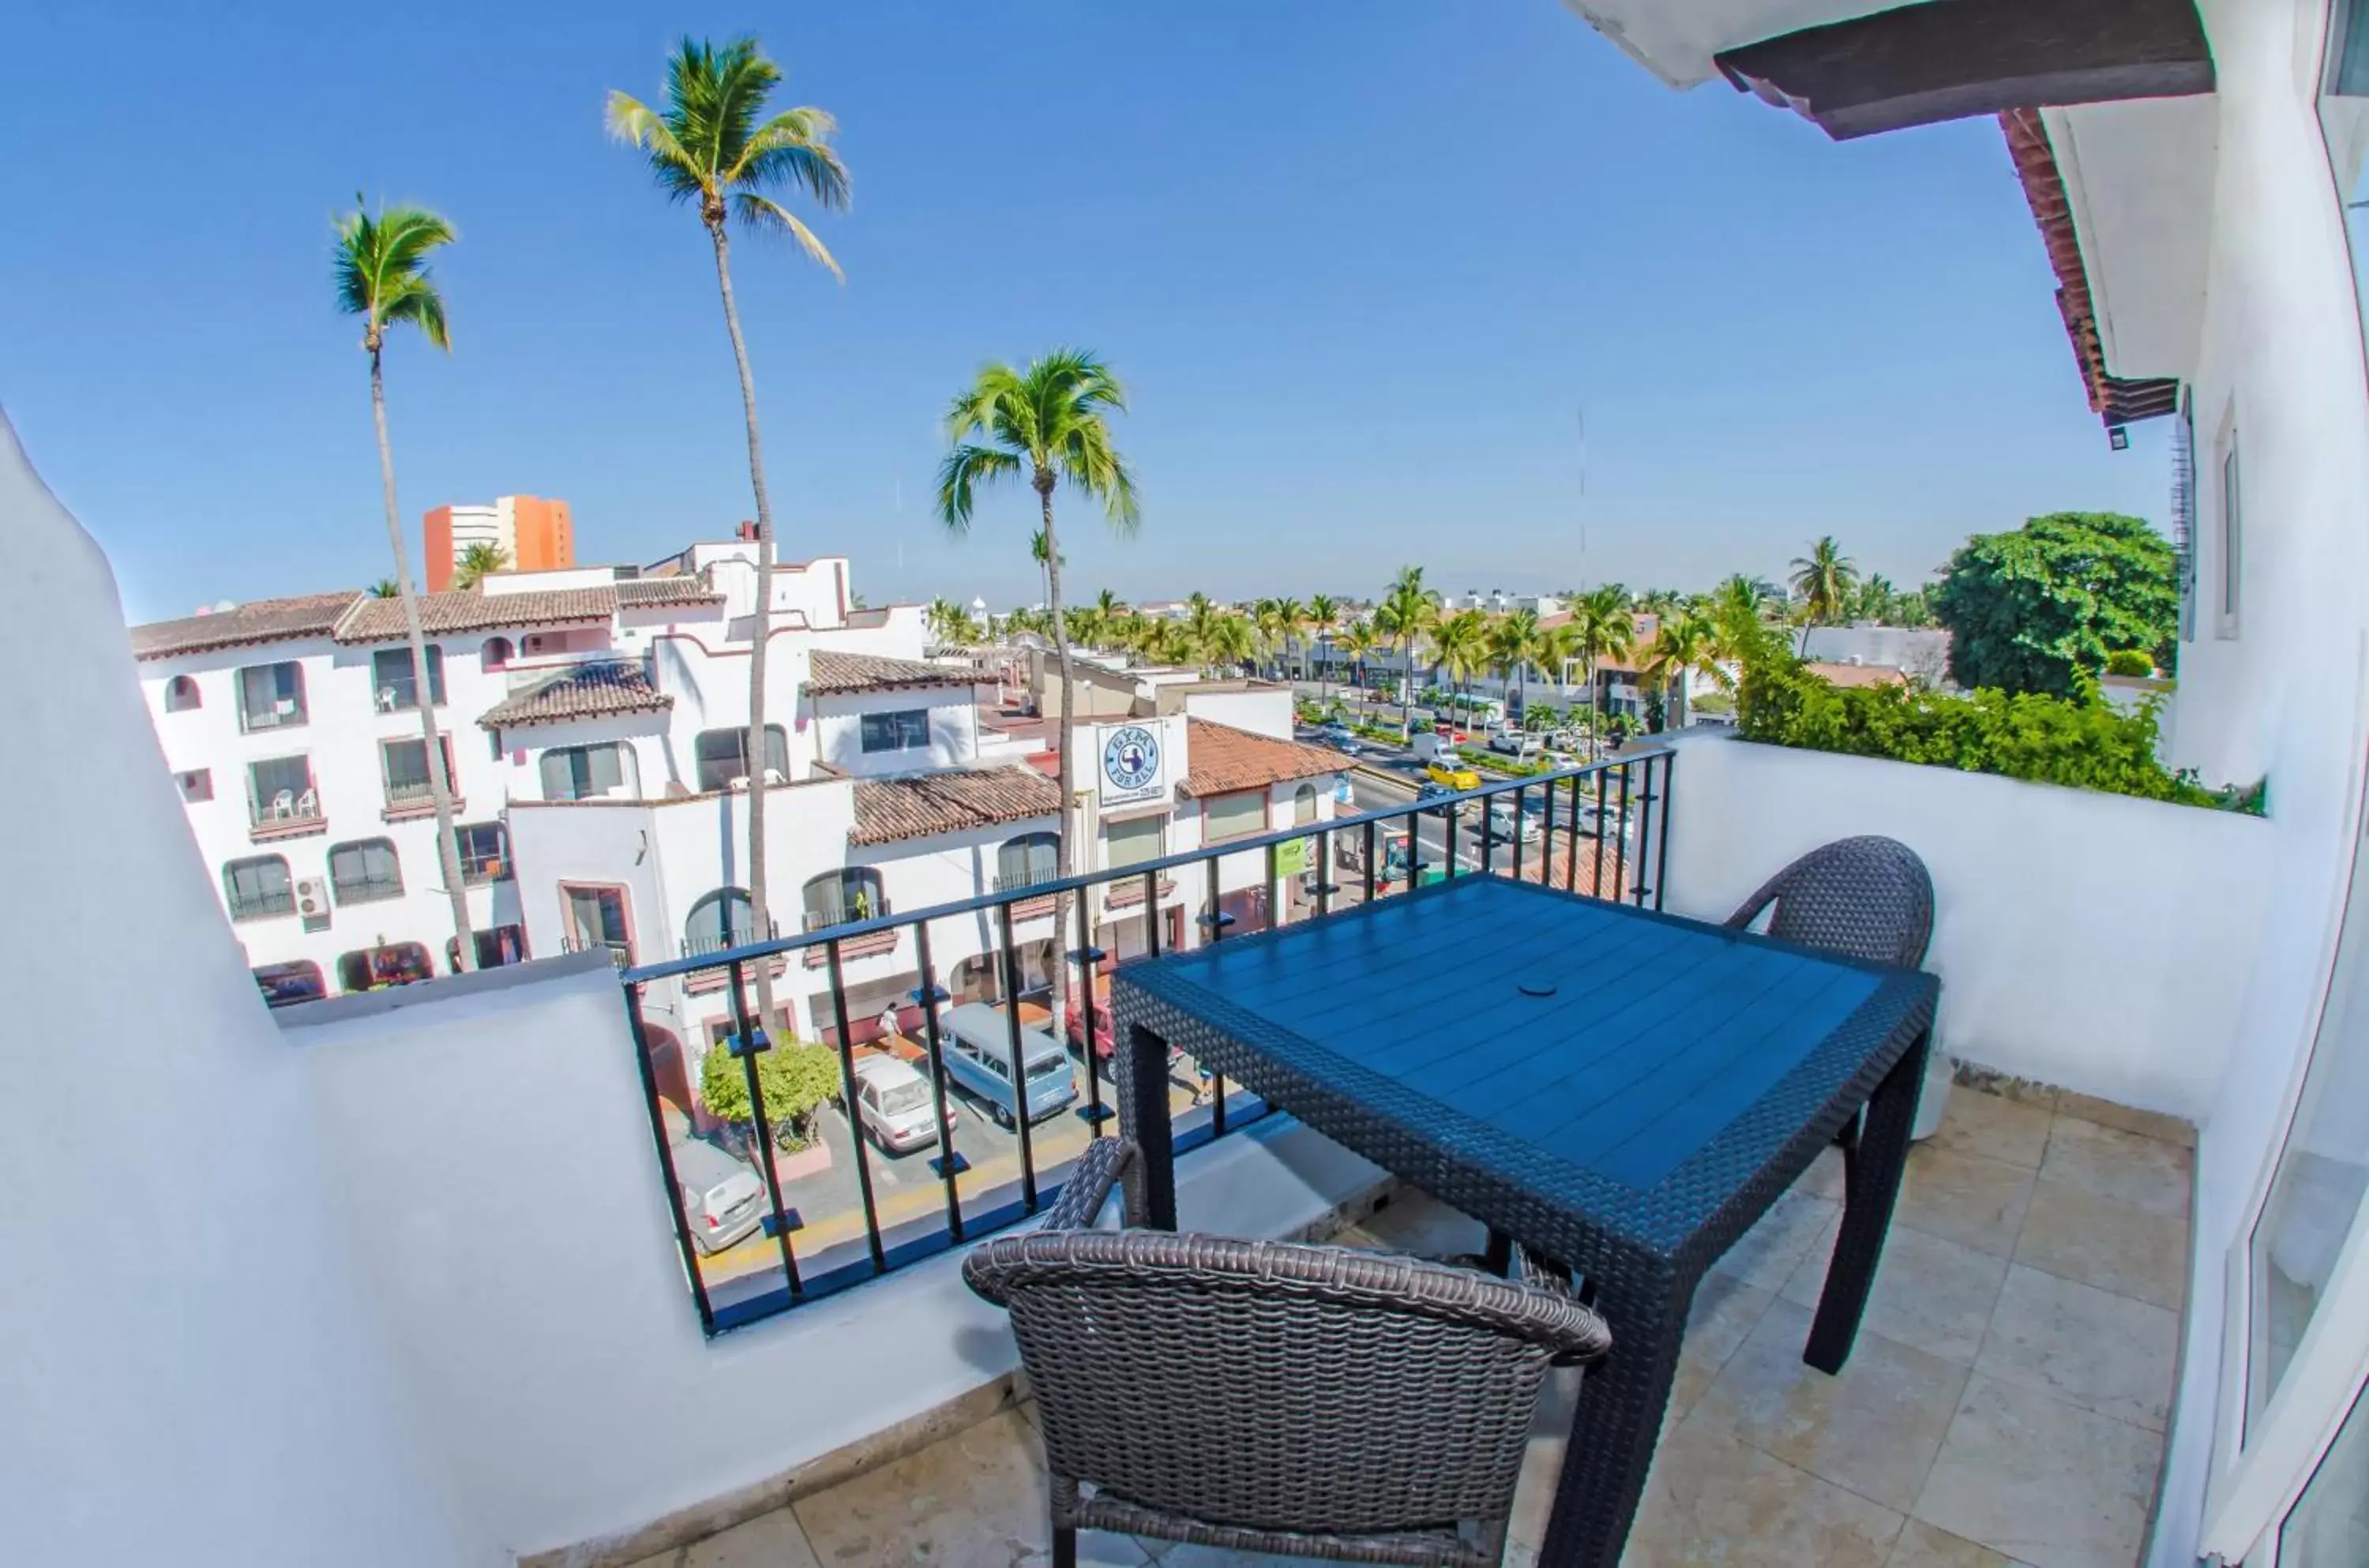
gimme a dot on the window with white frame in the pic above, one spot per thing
(405, 763)
(392, 677)
(587, 773)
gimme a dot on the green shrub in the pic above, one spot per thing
(2129, 661)
(2079, 741)
(795, 1078)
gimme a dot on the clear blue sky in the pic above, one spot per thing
(1360, 261)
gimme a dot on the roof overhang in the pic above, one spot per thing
(1854, 69)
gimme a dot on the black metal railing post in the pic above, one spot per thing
(1521, 804)
(1596, 871)
(950, 1162)
(1369, 862)
(1639, 891)
(748, 1044)
(1454, 821)
(1088, 956)
(854, 1112)
(1150, 916)
(1021, 1108)
(666, 1158)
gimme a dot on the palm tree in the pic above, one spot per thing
(1687, 643)
(1047, 423)
(1406, 614)
(1513, 645)
(383, 276)
(477, 561)
(1291, 619)
(1359, 640)
(1462, 640)
(1601, 626)
(1323, 610)
(385, 587)
(1824, 581)
(714, 146)
(1231, 639)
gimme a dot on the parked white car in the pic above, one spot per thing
(893, 1101)
(1502, 822)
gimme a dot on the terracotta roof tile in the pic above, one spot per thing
(263, 620)
(1855, 674)
(833, 673)
(1224, 759)
(466, 610)
(921, 804)
(641, 592)
(583, 691)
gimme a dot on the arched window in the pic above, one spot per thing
(1303, 805)
(260, 887)
(495, 653)
(837, 897)
(723, 918)
(1027, 860)
(181, 694)
(364, 870)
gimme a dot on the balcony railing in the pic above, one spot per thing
(265, 902)
(1020, 881)
(286, 811)
(367, 889)
(809, 1224)
(620, 954)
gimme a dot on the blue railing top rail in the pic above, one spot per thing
(799, 942)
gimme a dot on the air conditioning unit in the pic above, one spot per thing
(313, 898)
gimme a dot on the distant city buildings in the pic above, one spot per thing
(532, 533)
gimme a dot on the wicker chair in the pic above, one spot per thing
(1270, 1396)
(1864, 897)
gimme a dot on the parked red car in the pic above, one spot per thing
(1102, 1026)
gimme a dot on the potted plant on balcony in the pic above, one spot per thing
(797, 1080)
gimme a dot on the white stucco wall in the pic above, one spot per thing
(1261, 711)
(560, 1363)
(2089, 941)
(836, 726)
(2281, 358)
(189, 1377)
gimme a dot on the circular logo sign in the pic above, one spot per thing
(1131, 757)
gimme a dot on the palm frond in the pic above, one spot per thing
(421, 306)
(794, 149)
(765, 215)
(635, 123)
(382, 270)
(959, 476)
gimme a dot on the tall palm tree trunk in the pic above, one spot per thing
(1043, 480)
(753, 744)
(440, 781)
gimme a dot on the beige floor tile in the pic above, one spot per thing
(2115, 1246)
(2042, 1481)
(1714, 1498)
(972, 1500)
(1968, 1198)
(2148, 1124)
(1874, 1427)
(1726, 1309)
(2142, 1171)
(1769, 1253)
(1930, 1294)
(1824, 1176)
(1922, 1546)
(769, 1540)
(2101, 1351)
(2010, 1131)
(1418, 1222)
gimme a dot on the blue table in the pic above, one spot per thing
(1621, 1091)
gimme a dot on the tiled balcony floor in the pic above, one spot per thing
(2004, 1407)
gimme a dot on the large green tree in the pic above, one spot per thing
(2039, 609)
(713, 147)
(383, 276)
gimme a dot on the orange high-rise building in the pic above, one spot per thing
(534, 534)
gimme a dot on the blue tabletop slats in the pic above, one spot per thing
(1658, 1033)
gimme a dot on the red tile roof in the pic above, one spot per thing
(922, 805)
(1222, 759)
(1857, 674)
(637, 593)
(263, 621)
(583, 691)
(466, 610)
(833, 673)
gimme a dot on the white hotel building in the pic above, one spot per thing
(594, 726)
